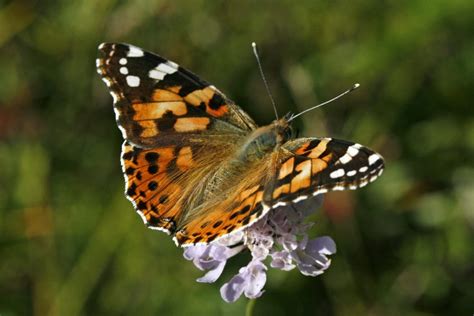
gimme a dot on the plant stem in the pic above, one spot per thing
(250, 306)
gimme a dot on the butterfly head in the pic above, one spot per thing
(283, 129)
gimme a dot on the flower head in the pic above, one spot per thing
(281, 236)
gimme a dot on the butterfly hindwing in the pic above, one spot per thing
(229, 216)
(151, 182)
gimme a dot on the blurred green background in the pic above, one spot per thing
(70, 242)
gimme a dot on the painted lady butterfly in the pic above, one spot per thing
(198, 167)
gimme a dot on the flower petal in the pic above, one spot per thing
(233, 289)
(258, 278)
(192, 252)
(321, 246)
(282, 260)
(212, 275)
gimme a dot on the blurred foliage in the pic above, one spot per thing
(70, 242)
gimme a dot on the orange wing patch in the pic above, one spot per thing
(168, 111)
(190, 124)
(213, 101)
(168, 94)
(302, 179)
(313, 149)
(286, 168)
(151, 185)
(148, 128)
(152, 111)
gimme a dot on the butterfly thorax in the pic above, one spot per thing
(263, 141)
(249, 159)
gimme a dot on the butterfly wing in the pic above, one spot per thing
(227, 217)
(158, 102)
(176, 127)
(239, 206)
(311, 166)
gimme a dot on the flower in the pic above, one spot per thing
(281, 235)
(249, 281)
(212, 257)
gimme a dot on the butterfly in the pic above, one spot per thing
(198, 167)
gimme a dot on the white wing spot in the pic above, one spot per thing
(345, 159)
(160, 71)
(133, 81)
(373, 158)
(123, 61)
(351, 173)
(134, 52)
(363, 169)
(337, 174)
(124, 70)
(166, 68)
(172, 64)
(352, 151)
(155, 74)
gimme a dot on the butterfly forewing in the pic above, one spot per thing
(155, 98)
(319, 165)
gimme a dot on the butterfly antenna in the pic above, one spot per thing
(355, 86)
(254, 46)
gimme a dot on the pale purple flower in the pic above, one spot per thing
(249, 281)
(280, 235)
(311, 257)
(212, 258)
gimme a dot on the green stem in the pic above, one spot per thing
(250, 306)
